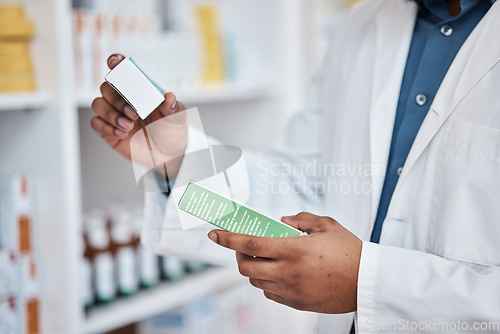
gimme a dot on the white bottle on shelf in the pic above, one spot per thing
(124, 251)
(147, 261)
(87, 292)
(96, 227)
(172, 268)
(149, 272)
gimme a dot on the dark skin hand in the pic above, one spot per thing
(116, 122)
(316, 272)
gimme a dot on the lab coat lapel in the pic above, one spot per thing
(478, 55)
(394, 30)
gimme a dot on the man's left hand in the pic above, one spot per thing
(316, 272)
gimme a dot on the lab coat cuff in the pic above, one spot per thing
(367, 283)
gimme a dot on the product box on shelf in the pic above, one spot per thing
(19, 275)
(16, 31)
(29, 295)
(15, 215)
(9, 323)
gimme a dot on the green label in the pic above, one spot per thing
(231, 216)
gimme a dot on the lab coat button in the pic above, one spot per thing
(446, 30)
(421, 99)
(399, 171)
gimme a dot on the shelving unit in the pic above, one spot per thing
(56, 146)
(203, 96)
(162, 298)
(24, 101)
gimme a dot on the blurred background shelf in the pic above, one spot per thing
(223, 94)
(162, 298)
(23, 101)
(200, 96)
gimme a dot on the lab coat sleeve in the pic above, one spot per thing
(280, 184)
(403, 291)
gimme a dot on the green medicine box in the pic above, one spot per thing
(231, 216)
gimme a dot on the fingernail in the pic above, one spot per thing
(120, 133)
(130, 113)
(112, 59)
(213, 236)
(174, 104)
(125, 123)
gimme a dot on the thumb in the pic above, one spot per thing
(114, 60)
(172, 108)
(306, 222)
(169, 105)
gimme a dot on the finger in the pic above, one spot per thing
(256, 267)
(104, 129)
(114, 60)
(170, 105)
(110, 135)
(271, 248)
(117, 101)
(275, 297)
(264, 285)
(112, 116)
(306, 222)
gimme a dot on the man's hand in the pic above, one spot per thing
(116, 122)
(317, 272)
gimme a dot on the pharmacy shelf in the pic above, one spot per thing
(222, 94)
(160, 299)
(200, 96)
(23, 101)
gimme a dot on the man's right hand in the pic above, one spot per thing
(116, 122)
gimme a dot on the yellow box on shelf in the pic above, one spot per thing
(11, 63)
(17, 86)
(207, 17)
(16, 81)
(213, 61)
(11, 11)
(16, 76)
(16, 29)
(14, 48)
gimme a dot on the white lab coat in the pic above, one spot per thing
(439, 253)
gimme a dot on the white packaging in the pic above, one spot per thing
(9, 282)
(29, 300)
(135, 87)
(15, 215)
(19, 268)
(83, 50)
(9, 323)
